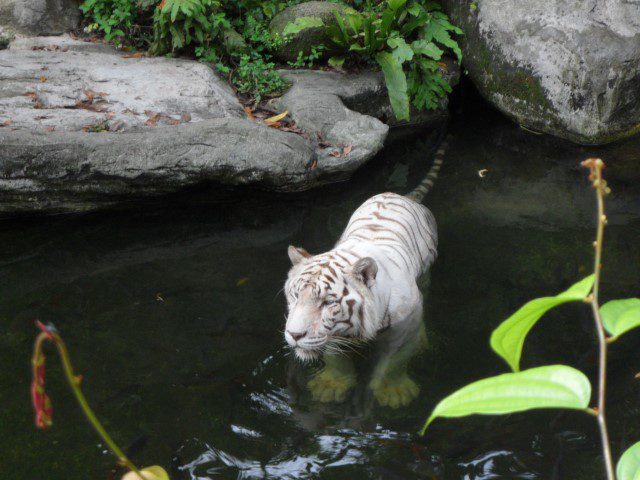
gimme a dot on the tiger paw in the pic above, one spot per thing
(394, 392)
(330, 385)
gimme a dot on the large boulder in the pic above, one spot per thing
(570, 68)
(83, 127)
(307, 38)
(39, 17)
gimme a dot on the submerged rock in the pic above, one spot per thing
(85, 127)
(304, 40)
(39, 17)
(570, 68)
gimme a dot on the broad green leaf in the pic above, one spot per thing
(435, 30)
(415, 9)
(400, 49)
(508, 339)
(629, 464)
(386, 20)
(428, 49)
(174, 11)
(552, 386)
(336, 62)
(396, 4)
(396, 82)
(150, 473)
(341, 27)
(620, 316)
(302, 23)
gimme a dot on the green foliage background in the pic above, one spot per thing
(405, 39)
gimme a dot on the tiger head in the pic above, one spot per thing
(329, 300)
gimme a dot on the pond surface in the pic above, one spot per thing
(173, 315)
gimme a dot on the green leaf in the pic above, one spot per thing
(620, 316)
(174, 11)
(435, 30)
(553, 386)
(508, 339)
(336, 62)
(415, 9)
(396, 82)
(150, 473)
(396, 4)
(400, 49)
(302, 23)
(629, 464)
(427, 49)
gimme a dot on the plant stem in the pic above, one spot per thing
(601, 190)
(74, 382)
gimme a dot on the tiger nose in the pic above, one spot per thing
(296, 335)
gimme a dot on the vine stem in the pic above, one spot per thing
(74, 383)
(596, 166)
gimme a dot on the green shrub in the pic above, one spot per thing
(181, 23)
(406, 38)
(395, 34)
(258, 78)
(118, 19)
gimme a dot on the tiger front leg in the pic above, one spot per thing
(334, 380)
(390, 382)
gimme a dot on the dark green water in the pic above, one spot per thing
(173, 316)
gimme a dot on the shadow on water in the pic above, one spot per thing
(174, 317)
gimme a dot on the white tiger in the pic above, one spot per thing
(365, 284)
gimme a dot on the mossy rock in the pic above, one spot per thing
(572, 73)
(304, 40)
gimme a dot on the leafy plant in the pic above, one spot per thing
(179, 23)
(395, 35)
(44, 410)
(308, 60)
(257, 77)
(556, 386)
(115, 18)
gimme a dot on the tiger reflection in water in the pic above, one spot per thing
(365, 288)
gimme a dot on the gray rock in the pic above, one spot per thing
(40, 17)
(6, 36)
(570, 68)
(60, 43)
(304, 40)
(53, 87)
(85, 129)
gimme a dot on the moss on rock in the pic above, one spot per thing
(307, 38)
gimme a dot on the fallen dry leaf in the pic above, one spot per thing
(41, 117)
(159, 297)
(314, 165)
(185, 117)
(50, 129)
(249, 113)
(116, 126)
(43, 78)
(335, 153)
(271, 120)
(347, 150)
(482, 173)
(30, 94)
(134, 55)
(6, 123)
(242, 281)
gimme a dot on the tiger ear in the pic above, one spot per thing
(296, 254)
(366, 270)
